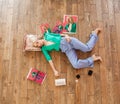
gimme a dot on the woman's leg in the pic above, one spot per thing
(81, 63)
(78, 63)
(76, 44)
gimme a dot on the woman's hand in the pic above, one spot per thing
(67, 38)
(56, 73)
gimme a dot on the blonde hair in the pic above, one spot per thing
(36, 43)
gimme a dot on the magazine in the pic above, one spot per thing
(36, 76)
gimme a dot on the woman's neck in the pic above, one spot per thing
(48, 42)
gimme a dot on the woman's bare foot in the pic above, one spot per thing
(96, 58)
(97, 31)
(56, 73)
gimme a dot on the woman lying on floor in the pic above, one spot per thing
(68, 45)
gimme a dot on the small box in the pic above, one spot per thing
(60, 82)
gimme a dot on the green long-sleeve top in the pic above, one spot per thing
(73, 29)
(55, 38)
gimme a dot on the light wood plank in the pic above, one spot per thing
(99, 10)
(111, 12)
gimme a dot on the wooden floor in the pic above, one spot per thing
(20, 17)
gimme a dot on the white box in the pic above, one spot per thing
(60, 82)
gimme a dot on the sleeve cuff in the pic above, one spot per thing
(93, 34)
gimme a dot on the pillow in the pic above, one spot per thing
(28, 42)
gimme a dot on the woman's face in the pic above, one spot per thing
(38, 43)
(70, 20)
(45, 28)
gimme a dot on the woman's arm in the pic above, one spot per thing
(49, 59)
(47, 56)
(53, 68)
